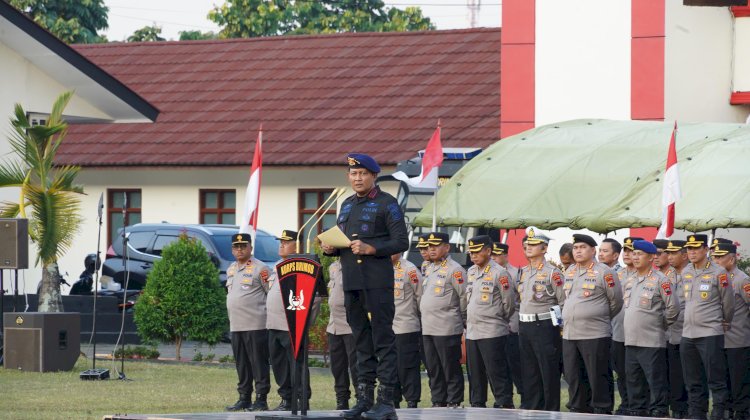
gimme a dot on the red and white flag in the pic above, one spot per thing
(431, 161)
(252, 195)
(670, 191)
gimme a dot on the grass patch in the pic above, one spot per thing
(156, 388)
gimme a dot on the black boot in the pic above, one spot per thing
(284, 405)
(242, 404)
(383, 409)
(720, 414)
(365, 397)
(659, 413)
(412, 404)
(342, 403)
(696, 415)
(260, 404)
(679, 414)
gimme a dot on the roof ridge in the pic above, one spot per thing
(277, 38)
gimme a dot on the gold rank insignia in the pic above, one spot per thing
(691, 239)
(239, 238)
(704, 295)
(629, 241)
(352, 161)
(485, 297)
(530, 233)
(397, 292)
(437, 290)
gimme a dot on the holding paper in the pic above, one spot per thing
(335, 237)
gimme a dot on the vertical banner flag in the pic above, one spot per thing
(298, 278)
(671, 189)
(431, 161)
(252, 195)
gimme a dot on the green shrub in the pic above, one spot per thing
(182, 299)
(140, 352)
(226, 359)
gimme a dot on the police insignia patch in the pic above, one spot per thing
(557, 279)
(746, 288)
(264, 276)
(504, 282)
(723, 280)
(667, 288)
(413, 276)
(459, 277)
(610, 279)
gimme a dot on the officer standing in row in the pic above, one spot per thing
(340, 339)
(594, 297)
(373, 220)
(540, 287)
(650, 307)
(443, 309)
(424, 252)
(490, 304)
(709, 305)
(247, 286)
(677, 256)
(737, 337)
(661, 261)
(512, 352)
(407, 291)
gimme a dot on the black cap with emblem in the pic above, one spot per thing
(288, 235)
(242, 238)
(478, 243)
(586, 239)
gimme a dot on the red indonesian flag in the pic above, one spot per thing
(671, 190)
(252, 195)
(431, 161)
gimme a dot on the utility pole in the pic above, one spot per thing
(473, 7)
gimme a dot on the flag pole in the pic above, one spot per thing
(437, 187)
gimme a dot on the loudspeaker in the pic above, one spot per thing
(41, 341)
(14, 243)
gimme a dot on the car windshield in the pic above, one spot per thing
(266, 247)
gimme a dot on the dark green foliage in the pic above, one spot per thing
(137, 352)
(251, 18)
(197, 35)
(183, 299)
(73, 21)
(146, 34)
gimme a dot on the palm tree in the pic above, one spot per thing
(49, 197)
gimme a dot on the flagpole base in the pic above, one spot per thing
(316, 416)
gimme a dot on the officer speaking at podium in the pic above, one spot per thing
(373, 220)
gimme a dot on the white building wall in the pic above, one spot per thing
(741, 55)
(699, 64)
(582, 60)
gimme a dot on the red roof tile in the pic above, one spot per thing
(318, 97)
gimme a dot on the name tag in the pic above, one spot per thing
(705, 287)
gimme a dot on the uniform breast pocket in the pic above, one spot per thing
(484, 298)
(343, 217)
(646, 298)
(438, 290)
(366, 222)
(398, 290)
(705, 290)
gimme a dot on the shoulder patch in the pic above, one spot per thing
(395, 211)
(667, 288)
(557, 279)
(264, 276)
(504, 282)
(723, 281)
(413, 276)
(459, 277)
(610, 279)
(746, 288)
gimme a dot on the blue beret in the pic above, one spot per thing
(359, 160)
(644, 246)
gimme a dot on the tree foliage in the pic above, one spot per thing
(49, 196)
(146, 34)
(73, 21)
(197, 35)
(182, 299)
(252, 18)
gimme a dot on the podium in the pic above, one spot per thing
(300, 281)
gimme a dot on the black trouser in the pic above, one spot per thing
(738, 364)
(587, 373)
(443, 354)
(677, 393)
(646, 369)
(485, 360)
(343, 364)
(370, 313)
(250, 349)
(703, 362)
(513, 358)
(540, 350)
(618, 366)
(280, 349)
(409, 384)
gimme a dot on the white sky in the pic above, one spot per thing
(173, 16)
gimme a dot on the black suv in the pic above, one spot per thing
(146, 241)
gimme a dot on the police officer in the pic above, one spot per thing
(625, 275)
(373, 220)
(737, 337)
(279, 342)
(677, 257)
(540, 287)
(709, 302)
(490, 303)
(424, 252)
(593, 297)
(443, 309)
(512, 354)
(340, 339)
(407, 291)
(649, 306)
(661, 261)
(247, 286)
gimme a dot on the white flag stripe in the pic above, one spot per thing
(671, 190)
(251, 201)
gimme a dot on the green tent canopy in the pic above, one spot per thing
(601, 175)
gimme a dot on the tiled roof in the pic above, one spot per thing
(318, 97)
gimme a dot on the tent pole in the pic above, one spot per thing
(434, 209)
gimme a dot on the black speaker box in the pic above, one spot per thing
(41, 341)
(14, 244)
